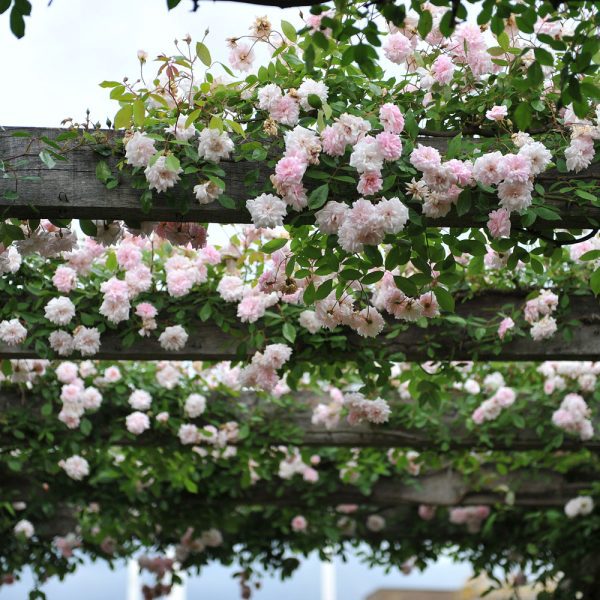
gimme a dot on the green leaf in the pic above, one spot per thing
(123, 117)
(103, 172)
(504, 41)
(324, 289)
(372, 277)
(109, 84)
(546, 214)
(590, 255)
(273, 245)
(226, 201)
(445, 25)
(315, 101)
(192, 117)
(172, 163)
(586, 195)
(216, 123)
(595, 282)
(309, 294)
(139, 112)
(47, 159)
(289, 332)
(406, 285)
(203, 53)
(17, 22)
(544, 57)
(88, 227)
(410, 124)
(205, 312)
(445, 299)
(172, 3)
(190, 486)
(464, 202)
(289, 31)
(318, 196)
(85, 427)
(6, 367)
(454, 147)
(350, 275)
(535, 75)
(522, 116)
(146, 201)
(374, 256)
(425, 23)
(320, 40)
(111, 261)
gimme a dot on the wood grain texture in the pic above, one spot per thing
(207, 341)
(446, 487)
(455, 437)
(71, 191)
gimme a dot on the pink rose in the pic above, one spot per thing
(497, 113)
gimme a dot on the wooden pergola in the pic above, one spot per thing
(71, 190)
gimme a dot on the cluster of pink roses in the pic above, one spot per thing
(188, 544)
(394, 301)
(12, 332)
(361, 409)
(76, 467)
(559, 374)
(140, 151)
(329, 414)
(491, 408)
(574, 417)
(183, 270)
(285, 108)
(221, 438)
(66, 544)
(293, 464)
(579, 506)
(362, 224)
(513, 175)
(76, 397)
(580, 153)
(537, 314)
(471, 516)
(252, 301)
(261, 373)
(410, 458)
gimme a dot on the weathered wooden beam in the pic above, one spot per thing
(446, 487)
(451, 342)
(455, 435)
(458, 438)
(71, 190)
(449, 488)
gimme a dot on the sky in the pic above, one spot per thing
(53, 73)
(353, 582)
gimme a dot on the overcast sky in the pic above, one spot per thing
(53, 73)
(73, 45)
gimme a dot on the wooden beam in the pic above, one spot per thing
(539, 488)
(454, 434)
(71, 190)
(450, 342)
(446, 487)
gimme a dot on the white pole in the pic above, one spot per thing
(328, 588)
(133, 579)
(178, 590)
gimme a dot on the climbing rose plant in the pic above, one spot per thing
(379, 205)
